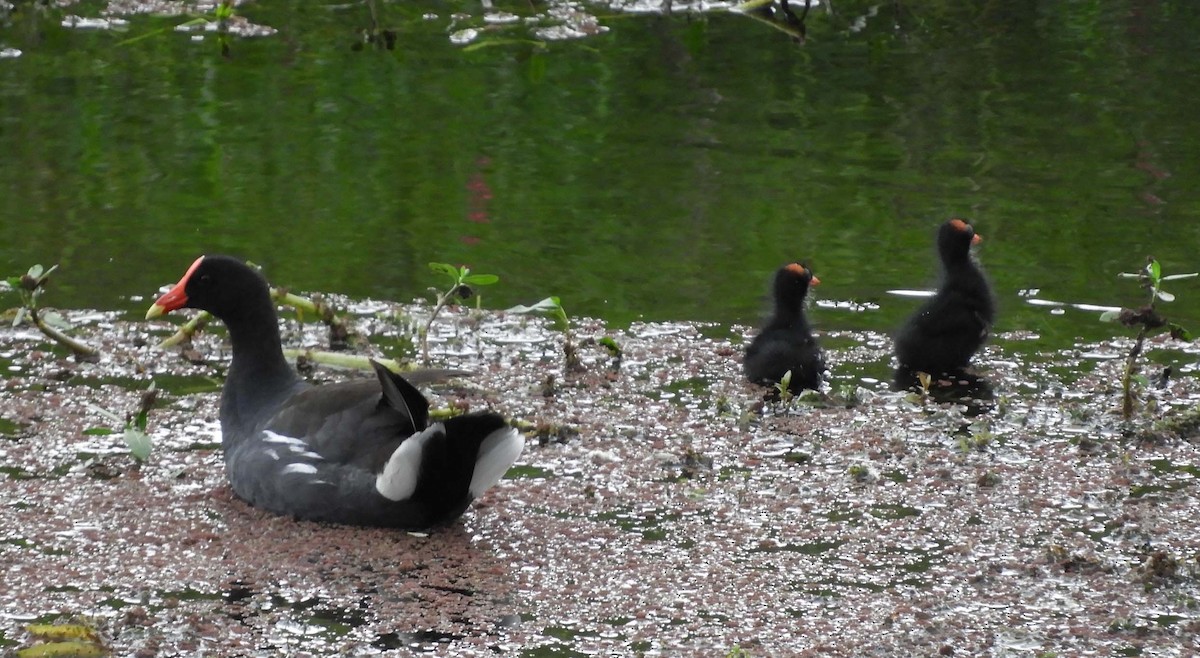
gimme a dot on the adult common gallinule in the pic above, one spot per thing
(359, 452)
(786, 341)
(947, 330)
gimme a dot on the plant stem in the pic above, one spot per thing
(318, 308)
(437, 308)
(335, 359)
(339, 334)
(444, 414)
(340, 360)
(295, 301)
(570, 353)
(187, 330)
(57, 336)
(1130, 367)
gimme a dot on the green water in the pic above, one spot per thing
(659, 170)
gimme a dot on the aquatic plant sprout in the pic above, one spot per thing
(31, 286)
(552, 307)
(460, 288)
(133, 431)
(1146, 319)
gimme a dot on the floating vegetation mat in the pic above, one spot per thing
(662, 507)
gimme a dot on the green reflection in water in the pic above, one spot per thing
(660, 170)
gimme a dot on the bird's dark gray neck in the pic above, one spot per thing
(967, 281)
(961, 269)
(259, 376)
(789, 315)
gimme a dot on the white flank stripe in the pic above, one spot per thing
(299, 468)
(272, 437)
(497, 452)
(301, 450)
(399, 477)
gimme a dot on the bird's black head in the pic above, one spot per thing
(792, 282)
(955, 238)
(221, 285)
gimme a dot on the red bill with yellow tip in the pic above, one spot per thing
(174, 298)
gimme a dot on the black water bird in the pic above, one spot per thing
(786, 342)
(947, 330)
(360, 452)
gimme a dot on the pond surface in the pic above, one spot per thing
(641, 165)
(652, 168)
(660, 508)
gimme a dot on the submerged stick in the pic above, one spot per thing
(77, 347)
(1130, 369)
(339, 333)
(342, 360)
(337, 327)
(187, 330)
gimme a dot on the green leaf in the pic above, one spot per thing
(14, 281)
(107, 414)
(1179, 333)
(139, 443)
(480, 279)
(925, 379)
(561, 321)
(1155, 270)
(98, 431)
(547, 305)
(1164, 295)
(443, 268)
(56, 320)
(1141, 380)
(610, 343)
(1110, 316)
